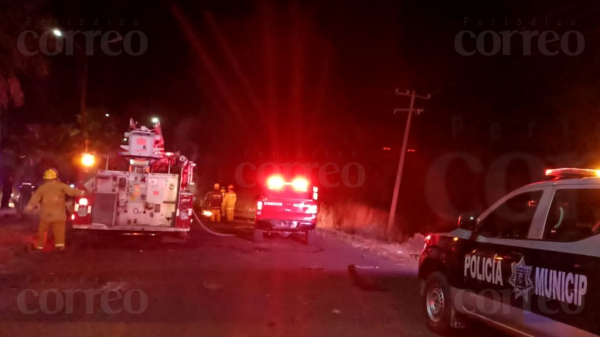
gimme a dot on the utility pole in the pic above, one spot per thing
(413, 95)
(82, 101)
(84, 79)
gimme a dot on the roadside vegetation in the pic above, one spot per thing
(365, 228)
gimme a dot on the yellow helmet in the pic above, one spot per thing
(50, 174)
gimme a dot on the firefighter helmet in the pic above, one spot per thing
(50, 174)
(230, 187)
(217, 186)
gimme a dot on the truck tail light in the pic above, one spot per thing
(275, 183)
(426, 243)
(259, 205)
(82, 211)
(300, 184)
(184, 210)
(82, 207)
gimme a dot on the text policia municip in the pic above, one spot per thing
(552, 284)
(483, 269)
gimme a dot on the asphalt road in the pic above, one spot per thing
(211, 287)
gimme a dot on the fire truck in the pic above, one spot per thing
(152, 196)
(287, 207)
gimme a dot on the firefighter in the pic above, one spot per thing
(229, 203)
(51, 197)
(214, 200)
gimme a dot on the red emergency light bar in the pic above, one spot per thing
(166, 154)
(276, 183)
(300, 184)
(572, 173)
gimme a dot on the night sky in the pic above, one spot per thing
(230, 76)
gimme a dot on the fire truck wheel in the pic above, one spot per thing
(258, 235)
(311, 238)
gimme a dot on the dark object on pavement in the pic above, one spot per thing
(364, 282)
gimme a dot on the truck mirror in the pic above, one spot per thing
(467, 222)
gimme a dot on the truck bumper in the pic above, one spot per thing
(102, 227)
(274, 225)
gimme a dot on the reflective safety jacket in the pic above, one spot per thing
(230, 199)
(214, 199)
(51, 197)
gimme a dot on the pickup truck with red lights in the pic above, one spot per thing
(287, 207)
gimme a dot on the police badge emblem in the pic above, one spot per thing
(521, 279)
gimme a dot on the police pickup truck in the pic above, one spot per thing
(529, 265)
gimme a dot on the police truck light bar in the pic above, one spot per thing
(572, 172)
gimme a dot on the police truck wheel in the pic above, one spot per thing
(258, 235)
(311, 237)
(437, 304)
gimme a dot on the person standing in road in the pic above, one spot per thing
(223, 204)
(214, 200)
(7, 188)
(229, 203)
(51, 198)
(26, 179)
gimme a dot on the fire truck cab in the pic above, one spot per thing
(287, 207)
(153, 195)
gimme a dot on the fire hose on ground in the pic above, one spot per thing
(208, 229)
